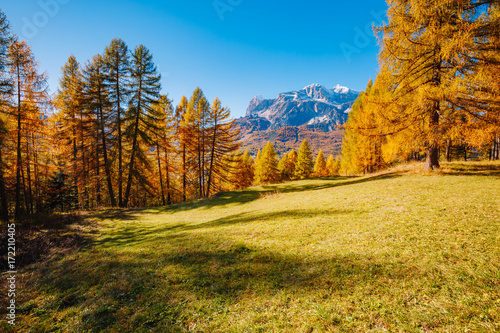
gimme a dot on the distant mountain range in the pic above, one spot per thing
(312, 113)
(314, 106)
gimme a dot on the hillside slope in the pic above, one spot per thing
(391, 252)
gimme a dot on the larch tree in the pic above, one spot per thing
(426, 47)
(69, 102)
(30, 95)
(97, 99)
(142, 118)
(320, 169)
(5, 91)
(222, 141)
(282, 168)
(332, 166)
(196, 117)
(244, 175)
(165, 149)
(304, 165)
(266, 171)
(117, 60)
(183, 137)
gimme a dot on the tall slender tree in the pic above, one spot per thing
(30, 91)
(5, 91)
(304, 165)
(117, 61)
(222, 141)
(142, 117)
(183, 136)
(97, 92)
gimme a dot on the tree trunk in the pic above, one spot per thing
(167, 172)
(29, 196)
(184, 176)
(120, 156)
(448, 146)
(212, 157)
(432, 160)
(17, 212)
(159, 174)
(4, 208)
(105, 156)
(134, 148)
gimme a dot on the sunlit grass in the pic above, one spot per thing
(401, 251)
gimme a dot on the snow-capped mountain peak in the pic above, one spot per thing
(341, 89)
(314, 105)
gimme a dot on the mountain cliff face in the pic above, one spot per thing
(314, 106)
(309, 114)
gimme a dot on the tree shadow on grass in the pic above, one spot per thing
(471, 169)
(162, 289)
(255, 193)
(131, 235)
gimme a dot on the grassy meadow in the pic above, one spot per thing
(400, 251)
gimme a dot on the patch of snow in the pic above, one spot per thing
(348, 110)
(319, 120)
(266, 114)
(341, 89)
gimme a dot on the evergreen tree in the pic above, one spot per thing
(69, 101)
(164, 143)
(332, 166)
(304, 165)
(142, 118)
(118, 65)
(266, 171)
(320, 169)
(291, 162)
(223, 141)
(196, 119)
(30, 91)
(97, 99)
(5, 91)
(183, 136)
(282, 168)
(428, 56)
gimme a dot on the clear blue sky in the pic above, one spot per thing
(231, 49)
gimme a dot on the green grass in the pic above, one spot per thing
(395, 252)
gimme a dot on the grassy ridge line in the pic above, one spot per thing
(392, 252)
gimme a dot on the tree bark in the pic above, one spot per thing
(448, 146)
(17, 211)
(4, 208)
(105, 155)
(160, 174)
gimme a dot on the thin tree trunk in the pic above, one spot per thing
(4, 208)
(120, 154)
(212, 157)
(29, 196)
(134, 148)
(107, 169)
(160, 175)
(167, 171)
(448, 146)
(17, 212)
(25, 197)
(38, 204)
(98, 173)
(184, 172)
